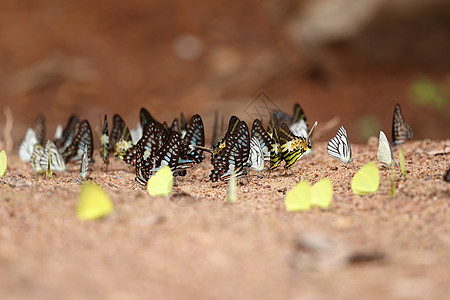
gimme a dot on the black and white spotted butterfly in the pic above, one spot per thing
(401, 131)
(34, 135)
(193, 138)
(47, 158)
(82, 137)
(339, 146)
(234, 153)
(67, 135)
(147, 164)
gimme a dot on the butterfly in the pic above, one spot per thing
(120, 137)
(366, 180)
(232, 125)
(84, 167)
(26, 147)
(235, 154)
(401, 131)
(166, 155)
(153, 138)
(93, 203)
(161, 183)
(261, 135)
(104, 140)
(339, 146)
(293, 147)
(67, 135)
(303, 196)
(82, 137)
(47, 159)
(256, 156)
(145, 117)
(275, 147)
(384, 154)
(194, 137)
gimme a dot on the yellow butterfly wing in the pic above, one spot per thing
(93, 203)
(322, 193)
(402, 163)
(299, 198)
(3, 163)
(366, 180)
(161, 183)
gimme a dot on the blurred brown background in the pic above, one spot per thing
(350, 59)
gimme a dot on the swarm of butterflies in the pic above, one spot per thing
(152, 145)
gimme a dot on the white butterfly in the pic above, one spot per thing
(41, 158)
(84, 164)
(339, 147)
(136, 134)
(26, 147)
(384, 154)
(256, 156)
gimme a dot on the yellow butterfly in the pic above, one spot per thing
(161, 183)
(366, 180)
(93, 203)
(3, 163)
(302, 196)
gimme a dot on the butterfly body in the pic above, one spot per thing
(293, 147)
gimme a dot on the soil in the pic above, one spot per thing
(194, 245)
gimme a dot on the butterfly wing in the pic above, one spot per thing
(84, 167)
(26, 147)
(401, 131)
(57, 161)
(105, 149)
(275, 147)
(339, 146)
(39, 128)
(67, 135)
(83, 136)
(256, 157)
(38, 152)
(384, 154)
(261, 135)
(195, 136)
(145, 117)
(366, 180)
(292, 147)
(299, 123)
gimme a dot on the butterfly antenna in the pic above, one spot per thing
(311, 131)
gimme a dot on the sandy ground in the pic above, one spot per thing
(194, 245)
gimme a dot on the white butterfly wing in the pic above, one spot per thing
(339, 146)
(26, 147)
(57, 161)
(299, 128)
(84, 164)
(256, 156)
(384, 154)
(38, 152)
(58, 132)
(136, 134)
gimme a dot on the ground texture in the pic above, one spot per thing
(195, 245)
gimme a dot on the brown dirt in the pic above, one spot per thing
(197, 246)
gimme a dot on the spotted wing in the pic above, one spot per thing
(67, 135)
(261, 135)
(401, 131)
(83, 136)
(145, 117)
